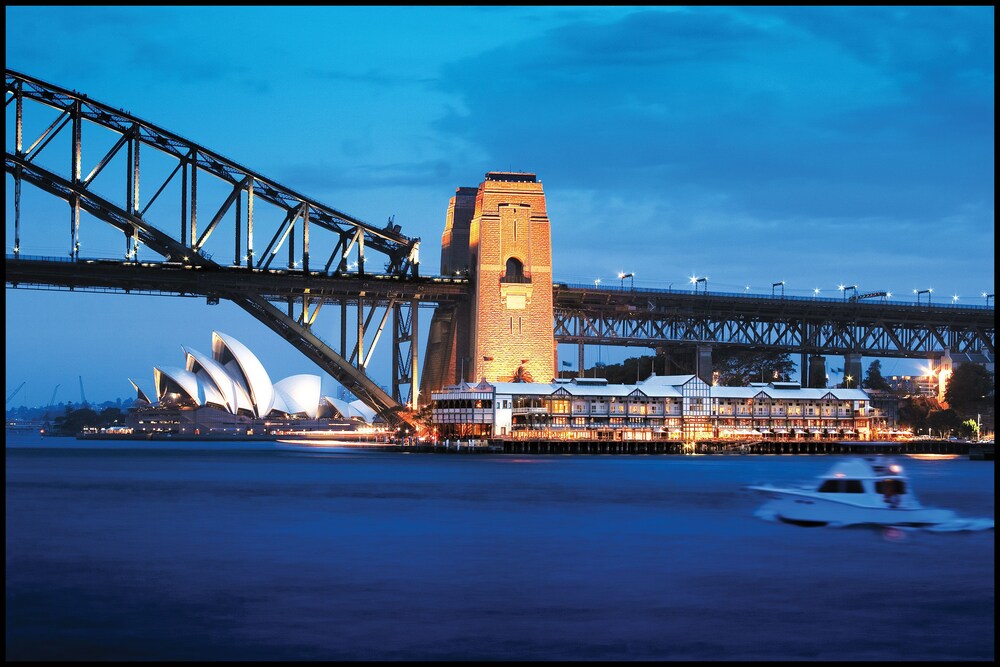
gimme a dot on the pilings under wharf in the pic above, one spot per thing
(727, 447)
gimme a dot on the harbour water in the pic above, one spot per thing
(244, 551)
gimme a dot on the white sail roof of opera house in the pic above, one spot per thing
(210, 371)
(246, 369)
(140, 394)
(352, 410)
(234, 380)
(178, 387)
(299, 394)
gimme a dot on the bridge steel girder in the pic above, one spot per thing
(184, 246)
(654, 318)
(323, 356)
(401, 251)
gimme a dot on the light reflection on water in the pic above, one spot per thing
(240, 551)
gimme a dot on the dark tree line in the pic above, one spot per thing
(734, 368)
(73, 421)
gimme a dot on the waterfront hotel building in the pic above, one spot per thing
(675, 407)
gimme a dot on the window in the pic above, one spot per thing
(841, 486)
(514, 272)
(892, 487)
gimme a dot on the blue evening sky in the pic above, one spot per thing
(820, 146)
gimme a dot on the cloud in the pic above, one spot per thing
(783, 117)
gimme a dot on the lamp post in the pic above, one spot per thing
(630, 276)
(928, 292)
(697, 281)
(781, 284)
(847, 380)
(849, 288)
(597, 281)
(987, 297)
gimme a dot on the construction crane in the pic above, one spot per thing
(11, 395)
(83, 397)
(52, 401)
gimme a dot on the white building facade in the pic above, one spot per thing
(677, 407)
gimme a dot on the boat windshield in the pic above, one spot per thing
(841, 486)
(890, 487)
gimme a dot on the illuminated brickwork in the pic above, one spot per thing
(510, 252)
(498, 234)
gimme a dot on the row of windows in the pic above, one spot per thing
(463, 403)
(463, 418)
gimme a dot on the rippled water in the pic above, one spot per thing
(136, 551)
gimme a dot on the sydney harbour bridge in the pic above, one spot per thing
(190, 222)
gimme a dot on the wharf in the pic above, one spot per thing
(586, 447)
(729, 447)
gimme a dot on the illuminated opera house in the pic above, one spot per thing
(230, 393)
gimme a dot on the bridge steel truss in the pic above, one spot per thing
(328, 238)
(808, 326)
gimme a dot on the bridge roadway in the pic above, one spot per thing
(181, 279)
(584, 315)
(807, 325)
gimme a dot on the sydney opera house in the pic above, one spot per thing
(230, 393)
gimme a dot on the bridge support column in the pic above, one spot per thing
(703, 362)
(674, 361)
(852, 369)
(817, 372)
(579, 360)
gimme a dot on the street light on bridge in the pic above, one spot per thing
(597, 281)
(851, 288)
(781, 284)
(631, 276)
(987, 297)
(918, 292)
(696, 281)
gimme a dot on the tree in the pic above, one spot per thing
(873, 378)
(970, 429)
(970, 390)
(945, 422)
(739, 367)
(914, 411)
(75, 421)
(735, 367)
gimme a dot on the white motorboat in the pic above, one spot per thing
(854, 491)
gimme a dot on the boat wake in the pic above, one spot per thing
(962, 525)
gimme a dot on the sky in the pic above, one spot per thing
(819, 146)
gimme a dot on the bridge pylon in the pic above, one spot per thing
(500, 234)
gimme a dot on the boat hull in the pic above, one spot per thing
(804, 510)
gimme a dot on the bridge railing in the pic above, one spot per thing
(746, 295)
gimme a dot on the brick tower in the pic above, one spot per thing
(499, 233)
(510, 249)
